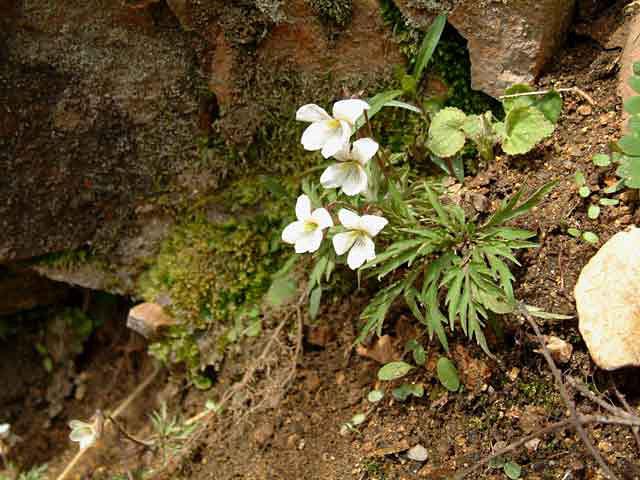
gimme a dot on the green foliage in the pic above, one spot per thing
(446, 136)
(171, 432)
(418, 352)
(393, 371)
(511, 469)
(406, 390)
(216, 273)
(625, 153)
(428, 46)
(448, 374)
(35, 473)
(375, 396)
(436, 252)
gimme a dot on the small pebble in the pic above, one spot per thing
(585, 110)
(417, 453)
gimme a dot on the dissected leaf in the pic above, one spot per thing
(394, 370)
(448, 374)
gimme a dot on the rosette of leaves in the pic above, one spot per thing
(450, 270)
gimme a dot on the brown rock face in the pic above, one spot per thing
(510, 42)
(103, 106)
(24, 290)
(608, 303)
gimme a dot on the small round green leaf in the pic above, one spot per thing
(393, 371)
(446, 137)
(375, 396)
(632, 105)
(593, 212)
(584, 191)
(601, 160)
(512, 470)
(609, 202)
(448, 374)
(634, 83)
(574, 232)
(579, 177)
(590, 237)
(358, 419)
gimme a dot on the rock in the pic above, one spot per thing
(149, 319)
(608, 303)
(510, 42)
(532, 445)
(23, 290)
(91, 142)
(418, 453)
(585, 110)
(382, 351)
(559, 349)
(630, 55)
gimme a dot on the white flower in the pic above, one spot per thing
(306, 232)
(358, 237)
(326, 133)
(4, 430)
(83, 433)
(349, 173)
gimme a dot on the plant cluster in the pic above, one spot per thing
(216, 272)
(434, 252)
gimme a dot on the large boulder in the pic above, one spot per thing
(115, 116)
(511, 42)
(608, 302)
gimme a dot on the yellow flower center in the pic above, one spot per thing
(310, 226)
(333, 123)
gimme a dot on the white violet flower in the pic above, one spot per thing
(306, 232)
(358, 237)
(349, 173)
(83, 433)
(4, 430)
(330, 133)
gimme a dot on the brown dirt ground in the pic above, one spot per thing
(299, 436)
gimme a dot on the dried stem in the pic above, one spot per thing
(577, 90)
(121, 408)
(121, 429)
(628, 408)
(582, 433)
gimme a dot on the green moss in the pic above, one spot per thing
(334, 11)
(539, 392)
(216, 270)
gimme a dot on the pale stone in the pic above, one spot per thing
(148, 319)
(418, 453)
(608, 302)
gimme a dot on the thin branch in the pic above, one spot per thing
(582, 388)
(626, 405)
(582, 433)
(121, 429)
(577, 90)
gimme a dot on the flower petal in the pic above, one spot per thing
(312, 113)
(318, 134)
(309, 241)
(333, 176)
(4, 430)
(364, 150)
(355, 180)
(363, 250)
(343, 241)
(344, 154)
(73, 424)
(372, 224)
(292, 232)
(78, 434)
(337, 141)
(322, 218)
(303, 207)
(349, 110)
(86, 442)
(349, 219)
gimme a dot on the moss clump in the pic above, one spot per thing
(216, 270)
(334, 11)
